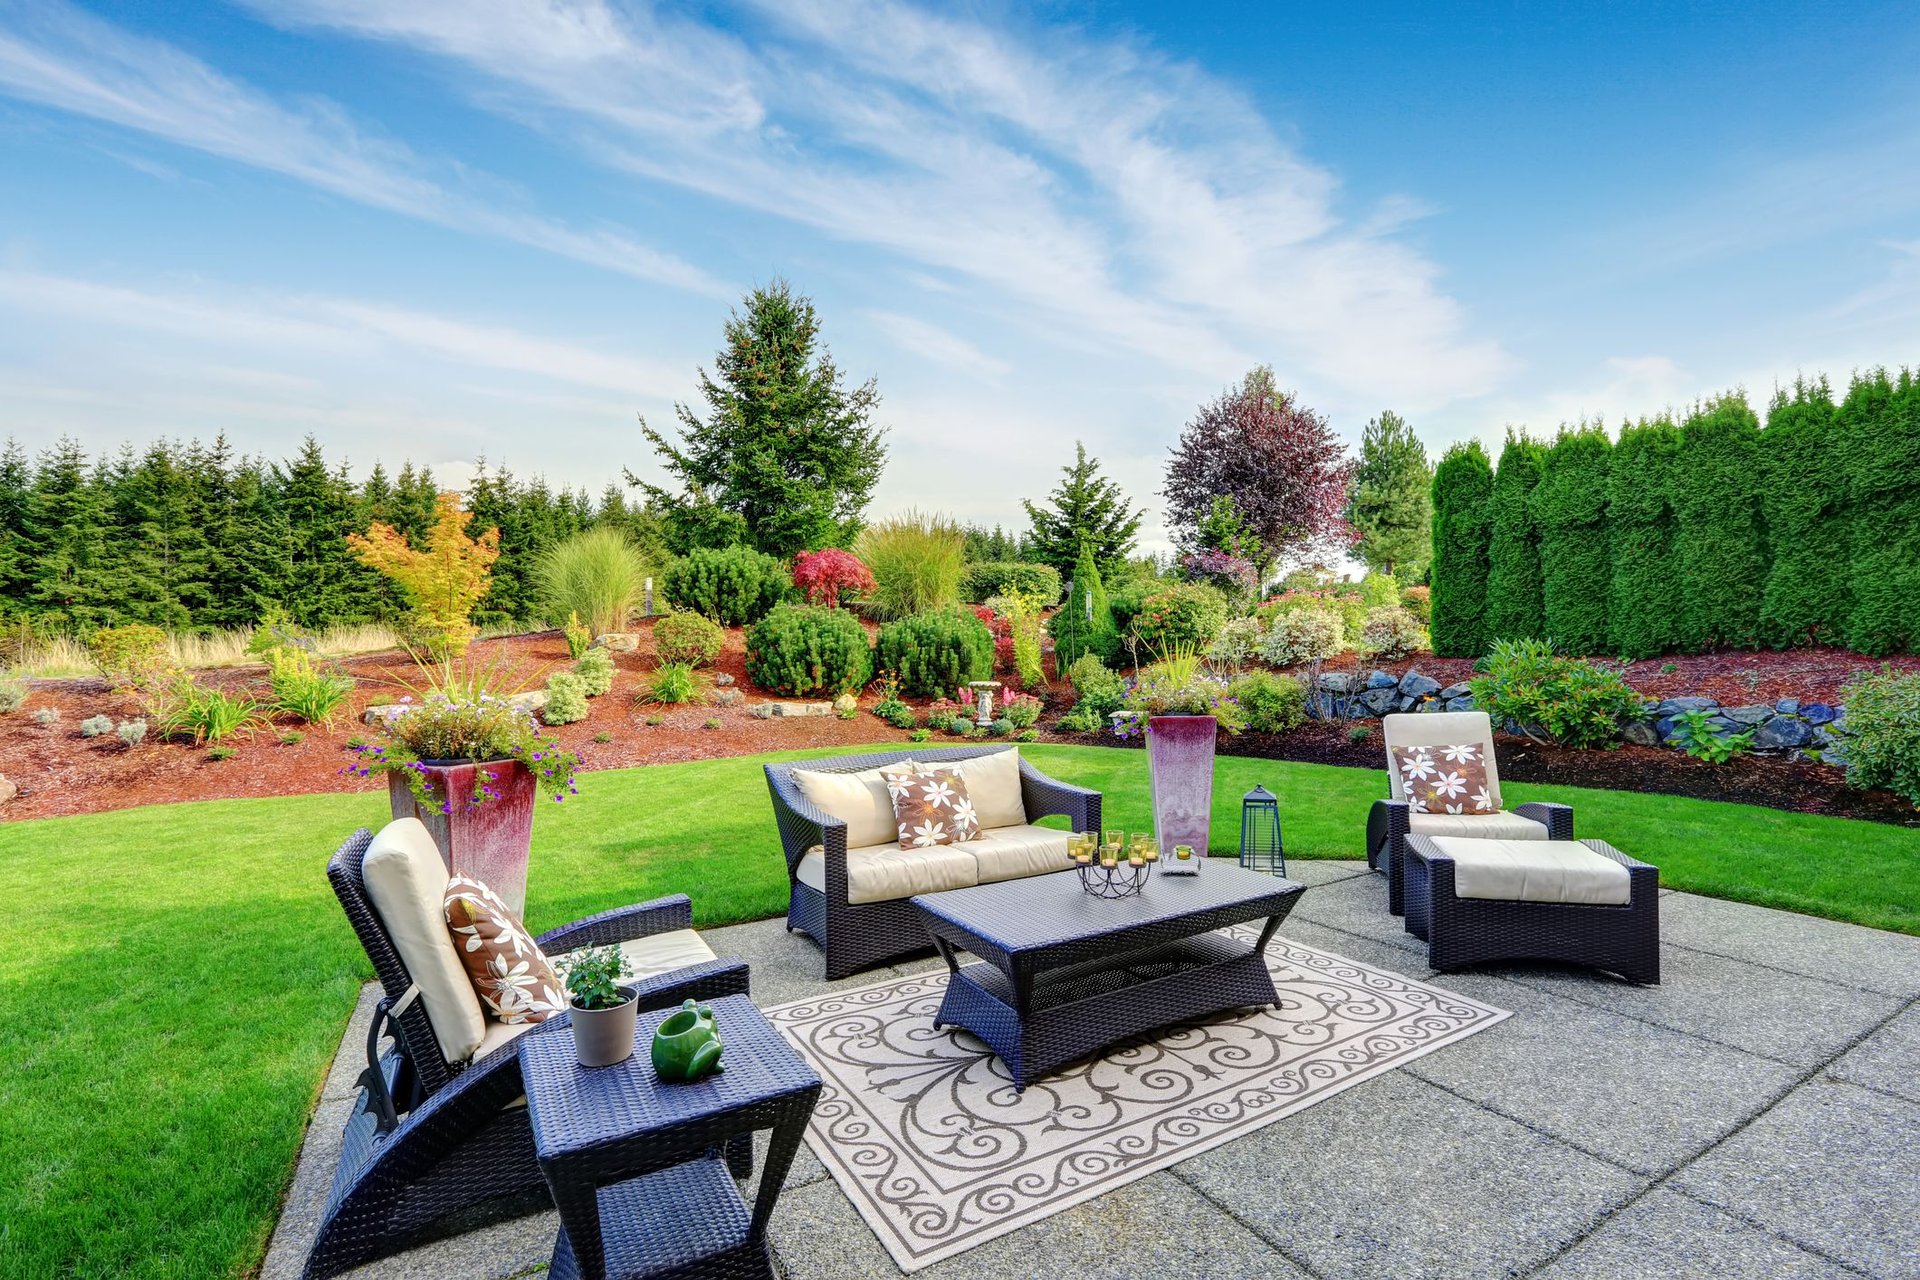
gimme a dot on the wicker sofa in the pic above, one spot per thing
(849, 880)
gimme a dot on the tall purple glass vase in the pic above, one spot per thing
(1180, 767)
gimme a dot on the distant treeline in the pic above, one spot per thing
(1712, 532)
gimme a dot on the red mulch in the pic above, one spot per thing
(59, 772)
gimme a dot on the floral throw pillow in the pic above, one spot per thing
(509, 972)
(932, 807)
(1446, 779)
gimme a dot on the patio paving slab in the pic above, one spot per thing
(1833, 1167)
(1398, 1179)
(1667, 1236)
(1643, 1096)
(1849, 954)
(1888, 1060)
(1319, 871)
(1357, 906)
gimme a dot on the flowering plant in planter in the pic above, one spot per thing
(484, 730)
(1177, 684)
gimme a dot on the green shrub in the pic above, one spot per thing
(277, 630)
(303, 691)
(986, 578)
(1418, 601)
(1102, 692)
(1126, 599)
(1721, 555)
(919, 735)
(1271, 703)
(895, 712)
(1084, 625)
(1180, 614)
(46, 716)
(1237, 643)
(734, 586)
(1023, 709)
(934, 653)
(1082, 719)
(579, 636)
(595, 670)
(1000, 727)
(1391, 633)
(916, 562)
(672, 683)
(1462, 551)
(94, 726)
(596, 575)
(13, 694)
(1643, 601)
(1296, 636)
(131, 654)
(688, 637)
(222, 753)
(1695, 734)
(1529, 687)
(1379, 590)
(1515, 608)
(1805, 502)
(185, 708)
(566, 698)
(800, 649)
(1023, 624)
(1576, 561)
(1881, 732)
(1880, 433)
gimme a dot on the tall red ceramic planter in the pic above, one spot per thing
(1180, 769)
(488, 841)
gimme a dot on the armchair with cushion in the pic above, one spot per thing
(440, 1131)
(850, 880)
(1392, 820)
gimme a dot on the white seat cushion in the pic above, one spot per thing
(407, 883)
(1008, 853)
(993, 784)
(1535, 871)
(860, 800)
(886, 872)
(1477, 826)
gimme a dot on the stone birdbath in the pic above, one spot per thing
(983, 691)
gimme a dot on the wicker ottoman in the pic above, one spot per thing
(1579, 901)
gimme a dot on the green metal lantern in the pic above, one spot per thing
(1260, 848)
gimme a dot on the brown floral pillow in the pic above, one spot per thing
(509, 972)
(933, 808)
(1446, 779)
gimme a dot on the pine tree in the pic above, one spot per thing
(1462, 534)
(255, 571)
(1084, 508)
(1805, 501)
(324, 586)
(1881, 438)
(1390, 504)
(18, 550)
(69, 527)
(1570, 511)
(784, 446)
(1515, 607)
(1643, 600)
(411, 510)
(1721, 546)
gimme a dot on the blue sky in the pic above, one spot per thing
(452, 228)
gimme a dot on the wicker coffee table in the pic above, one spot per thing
(1063, 973)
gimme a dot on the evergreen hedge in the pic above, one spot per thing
(1721, 547)
(1515, 606)
(1809, 596)
(1643, 606)
(1569, 508)
(1462, 529)
(1880, 437)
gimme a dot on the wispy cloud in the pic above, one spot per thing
(1090, 188)
(62, 57)
(941, 346)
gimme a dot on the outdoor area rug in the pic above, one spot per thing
(924, 1132)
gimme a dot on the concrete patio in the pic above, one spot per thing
(1756, 1115)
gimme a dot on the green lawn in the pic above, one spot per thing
(180, 973)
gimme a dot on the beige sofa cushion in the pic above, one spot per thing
(993, 784)
(1008, 853)
(1436, 729)
(1477, 826)
(860, 800)
(886, 872)
(1535, 871)
(407, 883)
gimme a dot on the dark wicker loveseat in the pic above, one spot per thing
(857, 936)
(434, 1145)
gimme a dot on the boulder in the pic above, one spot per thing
(529, 701)
(1674, 706)
(1462, 703)
(382, 716)
(1667, 728)
(1749, 715)
(1816, 713)
(801, 709)
(1824, 734)
(1377, 679)
(1378, 700)
(1782, 733)
(1835, 755)
(8, 788)
(1415, 685)
(1403, 703)
(618, 641)
(1788, 706)
(1724, 726)
(1339, 681)
(1641, 733)
(1458, 689)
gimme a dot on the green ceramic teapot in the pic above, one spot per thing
(687, 1045)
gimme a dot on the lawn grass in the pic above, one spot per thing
(181, 973)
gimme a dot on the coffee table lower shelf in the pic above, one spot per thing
(1072, 1011)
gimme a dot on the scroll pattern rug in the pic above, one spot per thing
(924, 1132)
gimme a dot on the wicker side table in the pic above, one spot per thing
(634, 1164)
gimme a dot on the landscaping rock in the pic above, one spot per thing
(1817, 713)
(1338, 681)
(1380, 680)
(846, 704)
(8, 788)
(1667, 727)
(1788, 706)
(1458, 689)
(1641, 733)
(762, 711)
(1824, 734)
(1378, 700)
(383, 716)
(1462, 703)
(529, 702)
(1752, 714)
(1674, 706)
(1415, 685)
(723, 680)
(1404, 703)
(618, 641)
(1781, 733)
(1723, 726)
(1835, 755)
(794, 710)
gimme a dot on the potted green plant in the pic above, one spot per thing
(601, 1009)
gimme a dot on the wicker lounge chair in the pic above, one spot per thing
(834, 899)
(1391, 821)
(436, 1144)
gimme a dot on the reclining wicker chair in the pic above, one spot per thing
(434, 1143)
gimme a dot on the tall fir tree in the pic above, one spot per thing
(1570, 511)
(1643, 598)
(1721, 545)
(68, 526)
(1881, 439)
(1085, 507)
(1390, 504)
(1516, 609)
(1805, 500)
(1462, 551)
(324, 583)
(18, 549)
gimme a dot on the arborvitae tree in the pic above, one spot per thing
(1516, 609)
(1462, 537)
(1084, 624)
(1722, 547)
(784, 446)
(1805, 502)
(1643, 604)
(1880, 435)
(1570, 510)
(1391, 504)
(1084, 508)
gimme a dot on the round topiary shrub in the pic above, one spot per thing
(1181, 615)
(595, 670)
(688, 637)
(1271, 703)
(734, 586)
(566, 698)
(936, 653)
(1391, 632)
(1303, 635)
(802, 649)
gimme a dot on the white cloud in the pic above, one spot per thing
(931, 342)
(61, 57)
